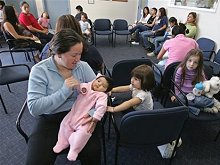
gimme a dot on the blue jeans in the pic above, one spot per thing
(145, 35)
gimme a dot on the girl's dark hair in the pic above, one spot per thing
(109, 81)
(173, 20)
(48, 17)
(147, 8)
(146, 75)
(85, 15)
(23, 3)
(63, 40)
(179, 29)
(10, 16)
(199, 70)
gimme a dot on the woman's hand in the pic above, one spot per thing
(71, 82)
(110, 109)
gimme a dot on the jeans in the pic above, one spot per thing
(145, 36)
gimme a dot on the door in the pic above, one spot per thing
(55, 9)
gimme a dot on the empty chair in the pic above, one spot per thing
(215, 64)
(120, 27)
(137, 129)
(103, 27)
(11, 74)
(207, 46)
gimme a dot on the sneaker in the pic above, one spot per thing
(135, 43)
(151, 54)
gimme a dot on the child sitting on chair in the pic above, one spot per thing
(91, 100)
(85, 26)
(142, 81)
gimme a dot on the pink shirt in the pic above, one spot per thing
(44, 22)
(178, 47)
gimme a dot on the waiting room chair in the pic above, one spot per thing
(11, 74)
(215, 64)
(21, 130)
(135, 129)
(13, 46)
(120, 27)
(103, 27)
(207, 46)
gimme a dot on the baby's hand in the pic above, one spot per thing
(173, 98)
(110, 109)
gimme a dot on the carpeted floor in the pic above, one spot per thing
(198, 148)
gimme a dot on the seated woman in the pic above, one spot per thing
(191, 25)
(143, 27)
(158, 29)
(15, 31)
(90, 54)
(177, 47)
(144, 17)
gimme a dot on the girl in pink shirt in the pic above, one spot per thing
(72, 133)
(44, 20)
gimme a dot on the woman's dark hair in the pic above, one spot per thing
(109, 81)
(10, 16)
(163, 11)
(2, 3)
(199, 70)
(145, 8)
(146, 75)
(63, 40)
(173, 20)
(179, 29)
(79, 8)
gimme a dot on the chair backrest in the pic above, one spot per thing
(102, 24)
(207, 46)
(156, 127)
(120, 24)
(168, 74)
(217, 57)
(121, 72)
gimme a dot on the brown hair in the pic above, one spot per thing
(199, 70)
(194, 16)
(68, 21)
(146, 75)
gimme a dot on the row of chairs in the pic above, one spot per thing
(105, 27)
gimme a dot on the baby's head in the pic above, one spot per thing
(102, 84)
(45, 15)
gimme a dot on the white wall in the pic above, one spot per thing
(107, 9)
(208, 22)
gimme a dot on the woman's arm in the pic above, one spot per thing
(121, 89)
(125, 105)
(10, 29)
(161, 53)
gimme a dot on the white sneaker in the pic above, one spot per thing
(135, 43)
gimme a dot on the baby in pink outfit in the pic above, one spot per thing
(72, 133)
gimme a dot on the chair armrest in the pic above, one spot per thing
(14, 65)
(18, 121)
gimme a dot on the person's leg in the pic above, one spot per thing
(42, 140)
(91, 153)
(145, 36)
(77, 141)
